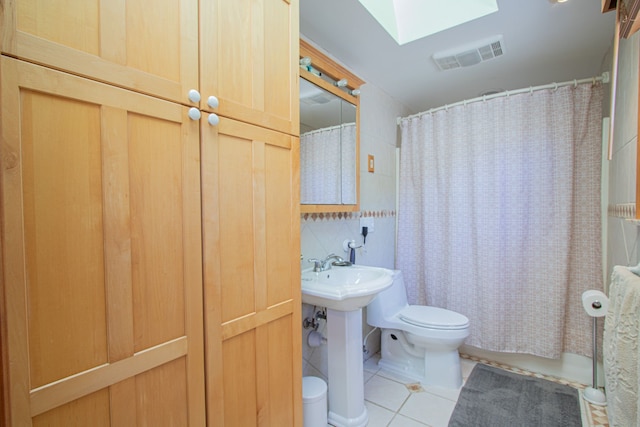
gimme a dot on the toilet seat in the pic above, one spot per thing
(433, 317)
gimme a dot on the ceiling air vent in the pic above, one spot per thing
(311, 94)
(470, 54)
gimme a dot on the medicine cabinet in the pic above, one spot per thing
(329, 134)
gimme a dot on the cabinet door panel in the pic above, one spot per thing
(150, 46)
(251, 247)
(92, 410)
(279, 174)
(161, 396)
(249, 61)
(280, 350)
(63, 237)
(236, 213)
(239, 384)
(102, 253)
(155, 178)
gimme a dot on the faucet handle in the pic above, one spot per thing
(317, 264)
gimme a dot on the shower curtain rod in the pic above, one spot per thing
(604, 78)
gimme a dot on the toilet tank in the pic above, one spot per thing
(388, 302)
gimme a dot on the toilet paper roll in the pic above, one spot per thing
(595, 303)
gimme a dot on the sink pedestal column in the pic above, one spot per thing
(346, 381)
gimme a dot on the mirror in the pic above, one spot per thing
(327, 147)
(329, 135)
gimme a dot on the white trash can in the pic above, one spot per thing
(314, 402)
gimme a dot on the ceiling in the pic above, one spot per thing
(543, 43)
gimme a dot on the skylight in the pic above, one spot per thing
(409, 20)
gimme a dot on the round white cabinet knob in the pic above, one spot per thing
(213, 102)
(213, 119)
(194, 113)
(194, 95)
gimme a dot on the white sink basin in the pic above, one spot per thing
(344, 288)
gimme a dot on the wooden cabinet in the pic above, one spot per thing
(101, 254)
(149, 46)
(252, 290)
(249, 61)
(243, 54)
(150, 270)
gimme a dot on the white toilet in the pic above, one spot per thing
(418, 342)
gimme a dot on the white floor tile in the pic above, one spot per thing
(367, 375)
(428, 408)
(386, 393)
(467, 366)
(402, 421)
(448, 393)
(390, 402)
(378, 416)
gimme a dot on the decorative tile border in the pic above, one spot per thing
(331, 216)
(596, 415)
(622, 210)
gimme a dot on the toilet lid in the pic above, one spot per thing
(433, 317)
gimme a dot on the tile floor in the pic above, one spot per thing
(394, 402)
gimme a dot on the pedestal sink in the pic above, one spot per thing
(344, 291)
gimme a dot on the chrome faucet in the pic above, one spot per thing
(322, 265)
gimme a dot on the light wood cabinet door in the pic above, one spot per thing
(149, 46)
(249, 61)
(251, 224)
(243, 52)
(102, 268)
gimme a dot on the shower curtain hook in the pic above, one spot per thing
(555, 86)
(575, 83)
(530, 90)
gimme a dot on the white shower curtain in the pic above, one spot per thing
(327, 157)
(499, 216)
(320, 152)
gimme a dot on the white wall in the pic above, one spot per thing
(322, 236)
(622, 235)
